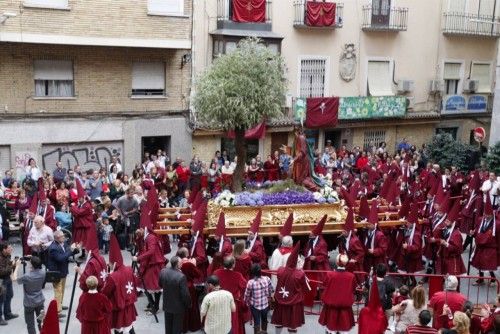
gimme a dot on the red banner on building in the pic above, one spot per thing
(257, 132)
(320, 14)
(322, 112)
(249, 10)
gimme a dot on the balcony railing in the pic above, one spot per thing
(225, 10)
(385, 19)
(300, 8)
(455, 23)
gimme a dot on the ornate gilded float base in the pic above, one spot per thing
(239, 218)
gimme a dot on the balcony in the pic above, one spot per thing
(391, 19)
(300, 21)
(225, 17)
(465, 24)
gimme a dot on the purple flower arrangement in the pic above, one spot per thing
(280, 198)
(261, 185)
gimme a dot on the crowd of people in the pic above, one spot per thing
(240, 279)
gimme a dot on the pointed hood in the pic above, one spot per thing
(392, 194)
(413, 213)
(286, 229)
(454, 212)
(440, 193)
(115, 253)
(475, 181)
(34, 204)
(433, 189)
(349, 201)
(220, 230)
(353, 191)
(372, 319)
(51, 320)
(349, 221)
(364, 208)
(488, 209)
(199, 218)
(198, 198)
(254, 228)
(292, 260)
(42, 196)
(373, 218)
(384, 190)
(79, 189)
(318, 229)
(405, 207)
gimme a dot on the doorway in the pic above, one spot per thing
(277, 140)
(335, 137)
(152, 144)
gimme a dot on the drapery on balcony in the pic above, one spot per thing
(301, 14)
(225, 10)
(384, 19)
(456, 23)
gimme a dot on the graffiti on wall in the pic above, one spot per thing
(88, 156)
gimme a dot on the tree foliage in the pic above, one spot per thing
(493, 158)
(447, 152)
(241, 88)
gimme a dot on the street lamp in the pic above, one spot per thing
(5, 16)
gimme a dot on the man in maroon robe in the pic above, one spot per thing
(235, 283)
(315, 258)
(95, 266)
(223, 245)
(432, 231)
(120, 288)
(45, 209)
(372, 318)
(486, 244)
(94, 309)
(375, 242)
(197, 248)
(83, 217)
(338, 298)
(289, 296)
(455, 301)
(254, 243)
(192, 320)
(450, 250)
(472, 207)
(351, 246)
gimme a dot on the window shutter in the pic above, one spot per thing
(166, 6)
(312, 77)
(53, 70)
(48, 3)
(482, 73)
(452, 71)
(148, 75)
(379, 78)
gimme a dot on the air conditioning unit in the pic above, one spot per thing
(436, 86)
(470, 86)
(405, 86)
(410, 102)
(288, 100)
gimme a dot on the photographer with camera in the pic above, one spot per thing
(33, 282)
(6, 291)
(58, 260)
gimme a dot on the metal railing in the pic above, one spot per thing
(385, 19)
(225, 10)
(455, 23)
(300, 9)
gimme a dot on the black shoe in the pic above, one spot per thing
(11, 316)
(3, 322)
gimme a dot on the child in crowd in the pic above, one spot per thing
(106, 230)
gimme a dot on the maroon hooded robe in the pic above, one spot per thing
(151, 262)
(93, 311)
(235, 283)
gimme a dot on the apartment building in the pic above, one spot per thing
(402, 68)
(81, 81)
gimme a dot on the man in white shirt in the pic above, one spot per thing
(216, 308)
(490, 187)
(280, 256)
(40, 237)
(114, 161)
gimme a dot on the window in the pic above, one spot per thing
(53, 78)
(451, 76)
(375, 136)
(148, 79)
(452, 131)
(57, 4)
(482, 73)
(230, 47)
(166, 7)
(312, 77)
(379, 78)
